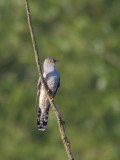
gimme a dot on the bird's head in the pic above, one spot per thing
(49, 63)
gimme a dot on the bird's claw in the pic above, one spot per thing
(51, 99)
(50, 94)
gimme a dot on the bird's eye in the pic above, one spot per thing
(50, 61)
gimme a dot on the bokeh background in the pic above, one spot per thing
(85, 37)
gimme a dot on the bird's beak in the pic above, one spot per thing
(55, 61)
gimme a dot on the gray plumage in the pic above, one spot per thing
(52, 79)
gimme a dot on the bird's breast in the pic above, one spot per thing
(52, 79)
(52, 83)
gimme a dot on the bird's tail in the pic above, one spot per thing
(42, 119)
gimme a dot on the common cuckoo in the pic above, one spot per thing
(52, 78)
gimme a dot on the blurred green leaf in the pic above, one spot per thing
(84, 37)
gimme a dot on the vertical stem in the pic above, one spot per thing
(58, 115)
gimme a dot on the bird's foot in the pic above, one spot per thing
(50, 94)
(51, 98)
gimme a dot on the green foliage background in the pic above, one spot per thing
(85, 36)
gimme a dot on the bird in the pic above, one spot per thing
(52, 79)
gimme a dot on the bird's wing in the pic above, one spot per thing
(58, 85)
(38, 93)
